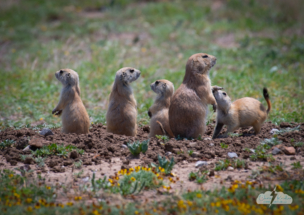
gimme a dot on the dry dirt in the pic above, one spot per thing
(106, 153)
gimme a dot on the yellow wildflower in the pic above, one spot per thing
(29, 209)
(133, 179)
(279, 188)
(77, 198)
(136, 212)
(69, 204)
(293, 207)
(10, 175)
(95, 212)
(48, 187)
(17, 195)
(37, 206)
(199, 195)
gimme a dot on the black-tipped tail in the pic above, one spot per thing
(266, 96)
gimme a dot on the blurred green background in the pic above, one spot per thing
(257, 44)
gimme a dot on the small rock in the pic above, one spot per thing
(275, 151)
(232, 155)
(192, 144)
(211, 144)
(67, 163)
(289, 150)
(274, 130)
(244, 170)
(211, 173)
(124, 146)
(27, 148)
(285, 125)
(195, 154)
(200, 163)
(293, 158)
(184, 162)
(38, 142)
(230, 168)
(58, 169)
(207, 138)
(252, 150)
(74, 154)
(86, 179)
(229, 178)
(46, 132)
(168, 153)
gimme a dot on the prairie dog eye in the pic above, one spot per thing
(224, 94)
(131, 70)
(156, 82)
(205, 56)
(61, 71)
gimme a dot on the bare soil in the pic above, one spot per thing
(106, 153)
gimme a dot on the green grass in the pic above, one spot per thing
(256, 45)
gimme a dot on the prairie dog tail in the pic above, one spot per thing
(266, 96)
(162, 128)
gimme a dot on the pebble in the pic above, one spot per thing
(230, 168)
(46, 132)
(185, 162)
(124, 146)
(274, 130)
(86, 179)
(211, 144)
(193, 144)
(276, 151)
(200, 163)
(232, 155)
(207, 138)
(289, 150)
(252, 150)
(168, 153)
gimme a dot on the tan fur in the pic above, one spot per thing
(159, 123)
(122, 110)
(241, 113)
(189, 105)
(74, 116)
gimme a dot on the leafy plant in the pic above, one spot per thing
(223, 145)
(286, 130)
(272, 141)
(137, 147)
(299, 144)
(190, 152)
(261, 153)
(55, 149)
(199, 177)
(164, 165)
(164, 138)
(78, 164)
(6, 143)
(224, 164)
(40, 161)
(296, 165)
(231, 134)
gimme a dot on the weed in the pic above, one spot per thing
(55, 149)
(299, 144)
(287, 130)
(272, 141)
(23, 157)
(6, 144)
(78, 164)
(164, 165)
(40, 161)
(296, 165)
(199, 177)
(137, 147)
(224, 164)
(261, 153)
(247, 149)
(163, 138)
(78, 174)
(190, 152)
(223, 146)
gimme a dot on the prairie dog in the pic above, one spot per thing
(189, 105)
(122, 111)
(241, 113)
(74, 116)
(158, 112)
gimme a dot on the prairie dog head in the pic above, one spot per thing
(67, 77)
(163, 88)
(127, 75)
(200, 63)
(222, 99)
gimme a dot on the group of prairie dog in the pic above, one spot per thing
(182, 113)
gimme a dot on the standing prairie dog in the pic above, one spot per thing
(241, 113)
(74, 116)
(189, 105)
(158, 112)
(122, 110)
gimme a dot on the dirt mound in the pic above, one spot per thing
(101, 145)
